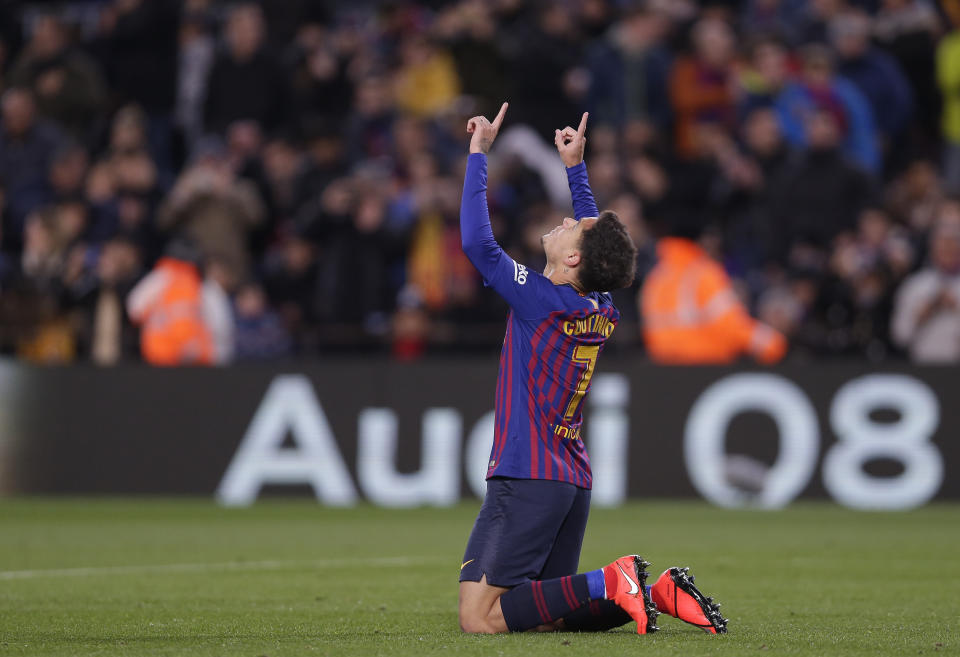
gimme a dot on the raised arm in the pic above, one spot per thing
(571, 144)
(527, 292)
(475, 232)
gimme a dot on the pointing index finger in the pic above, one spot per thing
(503, 111)
(583, 125)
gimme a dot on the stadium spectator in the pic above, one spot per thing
(137, 47)
(27, 146)
(244, 156)
(290, 279)
(948, 78)
(427, 81)
(436, 267)
(469, 31)
(855, 292)
(766, 76)
(876, 74)
(246, 80)
(701, 85)
(68, 85)
(748, 176)
(97, 295)
(546, 76)
(128, 154)
(195, 57)
(324, 161)
(321, 86)
(44, 250)
(909, 30)
(68, 172)
(369, 132)
(138, 44)
(281, 165)
(926, 316)
(819, 89)
(820, 193)
(763, 141)
(359, 244)
(214, 208)
(259, 331)
(40, 330)
(629, 69)
(915, 196)
(410, 329)
(122, 187)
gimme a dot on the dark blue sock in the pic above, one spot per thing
(536, 603)
(597, 616)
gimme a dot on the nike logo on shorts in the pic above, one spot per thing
(466, 563)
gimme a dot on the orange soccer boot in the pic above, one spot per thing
(675, 594)
(626, 580)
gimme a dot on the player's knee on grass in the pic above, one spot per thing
(479, 608)
(474, 620)
(474, 625)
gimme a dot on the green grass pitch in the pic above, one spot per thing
(184, 577)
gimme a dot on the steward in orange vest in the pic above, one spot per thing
(168, 303)
(692, 316)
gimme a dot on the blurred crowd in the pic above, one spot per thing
(283, 178)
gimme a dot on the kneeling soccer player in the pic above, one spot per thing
(519, 568)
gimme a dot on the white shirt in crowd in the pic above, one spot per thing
(218, 315)
(937, 340)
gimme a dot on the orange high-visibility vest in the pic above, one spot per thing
(174, 331)
(691, 315)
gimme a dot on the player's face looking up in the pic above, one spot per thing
(562, 244)
(595, 255)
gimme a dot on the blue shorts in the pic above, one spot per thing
(527, 529)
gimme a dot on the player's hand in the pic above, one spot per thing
(484, 132)
(571, 143)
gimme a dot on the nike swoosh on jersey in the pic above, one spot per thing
(634, 589)
(466, 563)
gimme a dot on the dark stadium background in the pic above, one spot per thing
(327, 141)
(309, 488)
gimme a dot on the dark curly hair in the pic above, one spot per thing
(608, 258)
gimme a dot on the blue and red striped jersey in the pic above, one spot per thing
(554, 336)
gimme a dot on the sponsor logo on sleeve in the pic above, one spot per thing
(519, 274)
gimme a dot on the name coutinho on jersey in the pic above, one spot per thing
(595, 323)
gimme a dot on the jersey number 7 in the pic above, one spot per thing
(584, 354)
